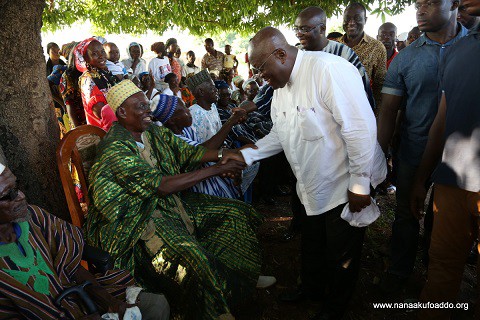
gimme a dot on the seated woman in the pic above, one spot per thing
(96, 80)
(159, 66)
(135, 62)
(71, 94)
(204, 247)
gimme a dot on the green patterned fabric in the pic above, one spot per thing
(32, 261)
(213, 268)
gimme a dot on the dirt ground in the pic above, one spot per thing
(282, 260)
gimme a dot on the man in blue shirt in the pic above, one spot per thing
(455, 133)
(413, 75)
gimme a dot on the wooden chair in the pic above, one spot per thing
(76, 153)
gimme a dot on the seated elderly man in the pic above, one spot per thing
(40, 258)
(205, 247)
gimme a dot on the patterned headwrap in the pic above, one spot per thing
(79, 53)
(196, 80)
(121, 92)
(67, 48)
(236, 80)
(100, 39)
(247, 82)
(163, 106)
(219, 84)
(56, 74)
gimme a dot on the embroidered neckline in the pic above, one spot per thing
(32, 261)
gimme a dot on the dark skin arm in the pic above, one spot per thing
(248, 106)
(387, 119)
(97, 109)
(179, 182)
(151, 84)
(431, 156)
(215, 142)
(106, 301)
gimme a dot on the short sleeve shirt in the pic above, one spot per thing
(414, 74)
(460, 166)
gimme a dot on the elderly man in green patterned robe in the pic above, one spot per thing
(202, 251)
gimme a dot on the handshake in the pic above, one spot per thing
(231, 162)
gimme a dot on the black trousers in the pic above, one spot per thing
(330, 251)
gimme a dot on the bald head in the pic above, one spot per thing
(313, 14)
(270, 54)
(266, 40)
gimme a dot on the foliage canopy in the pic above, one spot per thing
(198, 16)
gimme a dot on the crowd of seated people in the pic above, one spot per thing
(168, 190)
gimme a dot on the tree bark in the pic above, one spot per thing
(29, 132)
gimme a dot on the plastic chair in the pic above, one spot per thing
(76, 153)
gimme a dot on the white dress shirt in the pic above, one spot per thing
(325, 125)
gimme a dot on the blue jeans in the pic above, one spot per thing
(405, 229)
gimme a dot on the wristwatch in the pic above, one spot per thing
(220, 153)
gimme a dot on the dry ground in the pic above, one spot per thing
(282, 260)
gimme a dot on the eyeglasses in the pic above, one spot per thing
(11, 195)
(260, 69)
(304, 29)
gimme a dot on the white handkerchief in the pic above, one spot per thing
(362, 218)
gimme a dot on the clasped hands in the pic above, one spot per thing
(233, 163)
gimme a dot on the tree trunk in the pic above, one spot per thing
(29, 132)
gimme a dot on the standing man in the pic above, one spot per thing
(323, 122)
(387, 34)
(371, 52)
(310, 27)
(468, 21)
(413, 75)
(213, 60)
(455, 133)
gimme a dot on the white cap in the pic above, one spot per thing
(2, 167)
(402, 36)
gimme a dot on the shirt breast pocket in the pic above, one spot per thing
(310, 128)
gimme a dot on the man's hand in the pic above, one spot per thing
(239, 115)
(417, 199)
(231, 169)
(358, 202)
(232, 154)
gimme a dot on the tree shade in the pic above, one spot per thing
(200, 17)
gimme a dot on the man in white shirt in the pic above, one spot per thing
(324, 123)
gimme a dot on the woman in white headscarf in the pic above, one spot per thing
(135, 61)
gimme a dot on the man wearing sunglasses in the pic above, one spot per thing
(40, 258)
(323, 122)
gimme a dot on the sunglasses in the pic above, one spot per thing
(11, 195)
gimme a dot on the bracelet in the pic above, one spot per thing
(220, 153)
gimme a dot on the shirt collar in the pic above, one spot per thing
(364, 38)
(425, 40)
(475, 30)
(296, 65)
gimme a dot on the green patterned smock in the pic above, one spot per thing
(207, 259)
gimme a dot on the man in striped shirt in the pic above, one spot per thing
(40, 258)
